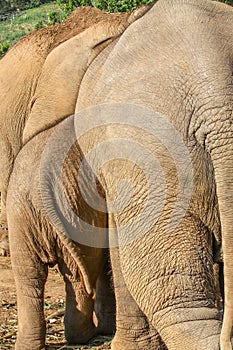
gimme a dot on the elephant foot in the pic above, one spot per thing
(4, 242)
(79, 328)
(83, 338)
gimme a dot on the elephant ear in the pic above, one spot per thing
(57, 90)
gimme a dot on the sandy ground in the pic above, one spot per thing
(54, 307)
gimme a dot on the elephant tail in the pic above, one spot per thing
(76, 259)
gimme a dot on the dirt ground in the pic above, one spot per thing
(54, 311)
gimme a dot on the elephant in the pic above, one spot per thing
(36, 245)
(177, 68)
(167, 96)
(53, 62)
(32, 51)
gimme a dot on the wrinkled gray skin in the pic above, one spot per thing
(179, 62)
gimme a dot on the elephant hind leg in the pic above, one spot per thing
(105, 305)
(133, 331)
(30, 275)
(79, 326)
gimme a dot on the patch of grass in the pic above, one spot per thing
(4, 47)
(24, 22)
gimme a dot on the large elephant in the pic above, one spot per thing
(37, 95)
(178, 63)
(170, 92)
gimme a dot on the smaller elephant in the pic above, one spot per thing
(37, 244)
